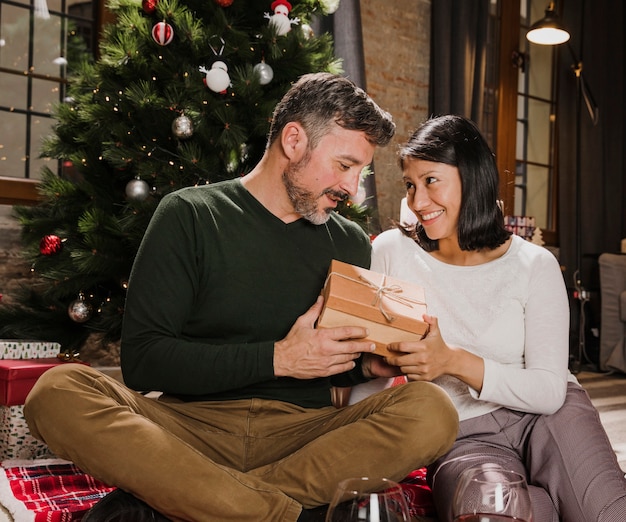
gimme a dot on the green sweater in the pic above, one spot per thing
(216, 281)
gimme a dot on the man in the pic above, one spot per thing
(220, 317)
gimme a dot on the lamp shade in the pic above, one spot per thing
(548, 30)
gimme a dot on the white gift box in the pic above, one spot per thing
(16, 442)
(17, 349)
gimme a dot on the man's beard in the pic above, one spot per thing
(305, 202)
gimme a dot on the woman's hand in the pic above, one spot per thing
(431, 357)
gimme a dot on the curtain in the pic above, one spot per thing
(458, 58)
(597, 39)
(599, 223)
(345, 27)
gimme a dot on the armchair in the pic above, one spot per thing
(613, 312)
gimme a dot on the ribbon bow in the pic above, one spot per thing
(383, 290)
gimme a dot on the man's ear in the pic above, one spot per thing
(294, 141)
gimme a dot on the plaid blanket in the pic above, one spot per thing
(55, 490)
(418, 494)
(51, 490)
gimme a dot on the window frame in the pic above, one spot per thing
(507, 102)
(23, 190)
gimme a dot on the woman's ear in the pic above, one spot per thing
(294, 141)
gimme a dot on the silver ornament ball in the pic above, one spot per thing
(265, 72)
(137, 190)
(182, 127)
(79, 311)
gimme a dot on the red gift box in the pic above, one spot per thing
(18, 376)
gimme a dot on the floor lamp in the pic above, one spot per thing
(550, 31)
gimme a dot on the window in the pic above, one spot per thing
(489, 123)
(535, 171)
(35, 57)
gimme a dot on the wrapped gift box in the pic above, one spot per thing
(18, 376)
(389, 308)
(16, 442)
(17, 349)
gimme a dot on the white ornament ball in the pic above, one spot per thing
(329, 6)
(307, 31)
(217, 78)
(265, 72)
(182, 127)
(360, 196)
(137, 190)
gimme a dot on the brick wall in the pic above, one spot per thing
(396, 39)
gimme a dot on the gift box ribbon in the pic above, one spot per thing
(380, 291)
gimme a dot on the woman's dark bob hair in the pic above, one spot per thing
(456, 141)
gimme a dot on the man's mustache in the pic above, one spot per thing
(341, 196)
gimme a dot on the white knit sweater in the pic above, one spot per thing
(512, 311)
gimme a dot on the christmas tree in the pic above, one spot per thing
(181, 95)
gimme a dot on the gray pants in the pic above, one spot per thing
(248, 459)
(571, 469)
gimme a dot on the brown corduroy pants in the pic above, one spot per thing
(255, 459)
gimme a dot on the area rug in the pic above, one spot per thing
(54, 490)
(50, 490)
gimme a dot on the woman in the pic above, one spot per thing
(498, 339)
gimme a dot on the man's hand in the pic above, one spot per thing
(307, 352)
(376, 366)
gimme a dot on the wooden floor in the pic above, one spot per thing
(608, 394)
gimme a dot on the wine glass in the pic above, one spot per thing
(491, 493)
(368, 500)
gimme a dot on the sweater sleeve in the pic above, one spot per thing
(156, 352)
(540, 386)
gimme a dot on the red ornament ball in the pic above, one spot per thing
(163, 33)
(149, 6)
(224, 3)
(50, 245)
